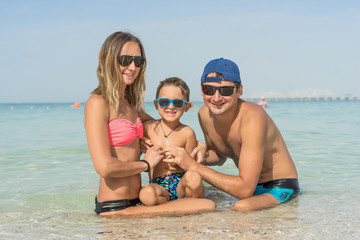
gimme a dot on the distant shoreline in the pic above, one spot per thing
(250, 99)
(337, 98)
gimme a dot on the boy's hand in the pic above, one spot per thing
(145, 144)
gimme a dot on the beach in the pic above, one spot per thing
(49, 183)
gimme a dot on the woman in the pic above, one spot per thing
(114, 129)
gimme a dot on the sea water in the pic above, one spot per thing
(48, 182)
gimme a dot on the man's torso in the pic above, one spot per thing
(226, 140)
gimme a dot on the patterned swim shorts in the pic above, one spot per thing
(169, 182)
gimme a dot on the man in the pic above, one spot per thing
(242, 131)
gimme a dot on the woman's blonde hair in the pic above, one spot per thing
(109, 74)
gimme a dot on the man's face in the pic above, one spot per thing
(220, 103)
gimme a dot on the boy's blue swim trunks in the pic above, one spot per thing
(282, 189)
(170, 182)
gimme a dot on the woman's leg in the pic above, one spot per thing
(173, 208)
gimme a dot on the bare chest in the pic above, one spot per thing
(163, 168)
(226, 144)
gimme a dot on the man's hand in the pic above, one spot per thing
(180, 157)
(199, 152)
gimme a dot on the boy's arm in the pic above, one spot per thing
(191, 142)
(145, 142)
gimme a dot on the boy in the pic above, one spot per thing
(169, 181)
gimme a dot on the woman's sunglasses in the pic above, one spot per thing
(165, 102)
(126, 60)
(224, 91)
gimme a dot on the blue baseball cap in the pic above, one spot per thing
(227, 68)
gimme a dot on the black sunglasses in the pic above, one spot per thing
(126, 60)
(165, 102)
(224, 91)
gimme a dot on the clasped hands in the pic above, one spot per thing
(172, 154)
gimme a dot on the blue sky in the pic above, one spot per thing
(49, 49)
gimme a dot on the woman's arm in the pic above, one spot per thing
(96, 118)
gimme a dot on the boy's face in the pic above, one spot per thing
(171, 113)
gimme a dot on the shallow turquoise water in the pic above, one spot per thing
(48, 181)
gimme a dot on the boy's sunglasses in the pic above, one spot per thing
(177, 102)
(126, 60)
(224, 91)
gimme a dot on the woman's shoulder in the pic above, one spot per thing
(96, 102)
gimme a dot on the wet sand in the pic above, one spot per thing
(301, 218)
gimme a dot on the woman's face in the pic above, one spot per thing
(130, 73)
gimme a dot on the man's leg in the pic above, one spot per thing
(256, 203)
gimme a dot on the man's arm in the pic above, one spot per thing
(249, 164)
(227, 183)
(210, 157)
(202, 154)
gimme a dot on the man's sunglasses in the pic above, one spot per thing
(126, 60)
(224, 91)
(165, 102)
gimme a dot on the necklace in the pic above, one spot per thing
(167, 135)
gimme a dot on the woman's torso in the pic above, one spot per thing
(125, 148)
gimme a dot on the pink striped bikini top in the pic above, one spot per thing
(123, 131)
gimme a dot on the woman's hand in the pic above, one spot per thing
(154, 155)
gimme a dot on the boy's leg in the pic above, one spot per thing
(256, 203)
(191, 186)
(153, 194)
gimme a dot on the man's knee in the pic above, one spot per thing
(242, 206)
(256, 203)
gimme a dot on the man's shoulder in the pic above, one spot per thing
(251, 112)
(250, 108)
(203, 111)
(203, 108)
